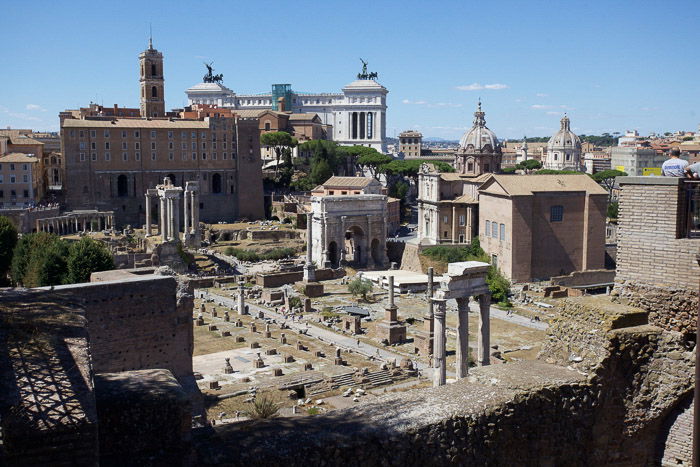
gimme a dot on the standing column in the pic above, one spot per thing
(76, 225)
(484, 338)
(462, 337)
(439, 375)
(454, 224)
(429, 318)
(171, 219)
(241, 297)
(195, 213)
(186, 216)
(309, 269)
(161, 226)
(148, 215)
(176, 219)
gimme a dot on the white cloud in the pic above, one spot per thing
(541, 94)
(540, 106)
(35, 107)
(552, 112)
(479, 87)
(429, 104)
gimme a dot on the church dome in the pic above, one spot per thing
(479, 139)
(564, 138)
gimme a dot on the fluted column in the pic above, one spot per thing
(439, 375)
(148, 215)
(186, 216)
(176, 219)
(161, 226)
(171, 218)
(484, 337)
(462, 337)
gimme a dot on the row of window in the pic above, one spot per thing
(137, 145)
(446, 220)
(154, 156)
(154, 134)
(12, 166)
(13, 194)
(13, 179)
(494, 230)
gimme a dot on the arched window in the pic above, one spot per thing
(172, 178)
(122, 186)
(470, 167)
(153, 69)
(154, 91)
(216, 183)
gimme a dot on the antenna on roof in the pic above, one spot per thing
(150, 36)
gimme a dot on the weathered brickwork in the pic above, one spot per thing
(676, 448)
(657, 268)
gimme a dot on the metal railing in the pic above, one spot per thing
(691, 212)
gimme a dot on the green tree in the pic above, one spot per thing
(499, 286)
(320, 172)
(8, 241)
(360, 287)
(443, 167)
(278, 141)
(39, 259)
(530, 164)
(606, 179)
(373, 161)
(613, 209)
(85, 257)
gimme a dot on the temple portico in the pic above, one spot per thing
(169, 197)
(77, 221)
(463, 280)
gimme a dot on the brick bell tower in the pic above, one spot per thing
(152, 82)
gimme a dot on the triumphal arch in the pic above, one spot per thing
(349, 230)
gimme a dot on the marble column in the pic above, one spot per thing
(162, 213)
(172, 231)
(439, 375)
(176, 219)
(148, 215)
(309, 269)
(195, 213)
(454, 224)
(462, 337)
(241, 297)
(186, 216)
(429, 318)
(484, 337)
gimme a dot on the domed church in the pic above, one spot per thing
(479, 150)
(564, 149)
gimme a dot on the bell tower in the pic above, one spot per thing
(152, 82)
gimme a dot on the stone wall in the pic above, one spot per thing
(656, 267)
(137, 323)
(674, 447)
(25, 219)
(579, 278)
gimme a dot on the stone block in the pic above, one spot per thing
(277, 372)
(310, 289)
(212, 327)
(271, 352)
(288, 359)
(225, 333)
(240, 339)
(254, 345)
(308, 367)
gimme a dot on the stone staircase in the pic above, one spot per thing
(379, 378)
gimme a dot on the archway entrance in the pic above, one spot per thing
(355, 247)
(333, 254)
(122, 186)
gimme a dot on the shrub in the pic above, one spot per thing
(40, 259)
(295, 302)
(360, 287)
(85, 257)
(8, 241)
(264, 407)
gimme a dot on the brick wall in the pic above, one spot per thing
(656, 269)
(675, 449)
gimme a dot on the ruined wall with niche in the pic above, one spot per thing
(601, 394)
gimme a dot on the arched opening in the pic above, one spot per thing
(172, 178)
(333, 254)
(355, 247)
(154, 91)
(216, 183)
(122, 186)
(377, 256)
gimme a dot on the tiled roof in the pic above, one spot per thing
(350, 182)
(18, 157)
(134, 123)
(516, 185)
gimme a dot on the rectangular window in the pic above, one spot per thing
(170, 135)
(213, 156)
(137, 145)
(153, 145)
(225, 144)
(82, 157)
(13, 179)
(93, 156)
(503, 232)
(556, 213)
(26, 193)
(224, 156)
(12, 166)
(137, 156)
(213, 145)
(81, 133)
(487, 229)
(170, 145)
(125, 156)
(137, 134)
(153, 156)
(107, 145)
(93, 133)
(461, 220)
(184, 156)
(108, 156)
(183, 134)
(25, 178)
(194, 135)
(123, 133)
(194, 145)
(153, 133)
(183, 146)
(24, 167)
(124, 145)
(171, 156)
(106, 133)
(494, 261)
(204, 156)
(2, 193)
(82, 145)
(93, 145)
(204, 145)
(194, 156)
(204, 135)
(445, 219)
(494, 230)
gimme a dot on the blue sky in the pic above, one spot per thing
(612, 65)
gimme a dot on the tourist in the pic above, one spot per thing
(693, 170)
(674, 166)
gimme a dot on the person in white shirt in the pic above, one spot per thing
(674, 166)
